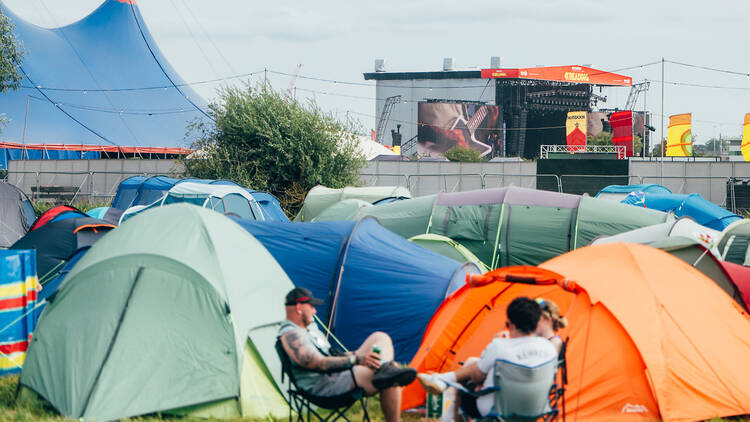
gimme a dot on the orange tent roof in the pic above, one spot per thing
(650, 336)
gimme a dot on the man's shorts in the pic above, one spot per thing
(333, 384)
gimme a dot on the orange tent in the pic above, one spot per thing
(650, 336)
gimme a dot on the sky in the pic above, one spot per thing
(338, 41)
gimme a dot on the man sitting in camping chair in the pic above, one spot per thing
(515, 373)
(317, 372)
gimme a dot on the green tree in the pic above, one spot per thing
(605, 138)
(268, 141)
(11, 54)
(463, 155)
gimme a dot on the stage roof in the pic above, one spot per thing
(101, 80)
(572, 74)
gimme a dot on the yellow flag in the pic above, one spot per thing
(575, 133)
(679, 138)
(745, 147)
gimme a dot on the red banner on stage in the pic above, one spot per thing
(576, 74)
(622, 130)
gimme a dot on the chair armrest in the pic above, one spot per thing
(473, 393)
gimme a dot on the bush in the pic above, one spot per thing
(464, 155)
(268, 141)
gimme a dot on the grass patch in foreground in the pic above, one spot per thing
(11, 410)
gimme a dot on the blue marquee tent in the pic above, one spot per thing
(370, 278)
(101, 80)
(692, 205)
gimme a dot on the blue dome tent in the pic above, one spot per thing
(99, 81)
(370, 278)
(141, 190)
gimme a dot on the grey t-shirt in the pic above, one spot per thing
(307, 379)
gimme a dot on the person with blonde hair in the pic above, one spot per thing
(550, 322)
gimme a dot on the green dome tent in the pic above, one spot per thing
(449, 248)
(342, 210)
(320, 197)
(175, 311)
(512, 226)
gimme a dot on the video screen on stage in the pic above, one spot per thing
(444, 125)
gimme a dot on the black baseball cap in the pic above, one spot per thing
(301, 295)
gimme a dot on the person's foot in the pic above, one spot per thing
(391, 374)
(432, 383)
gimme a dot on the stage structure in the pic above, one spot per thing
(531, 103)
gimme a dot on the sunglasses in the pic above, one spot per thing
(542, 304)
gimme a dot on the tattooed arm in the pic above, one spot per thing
(305, 354)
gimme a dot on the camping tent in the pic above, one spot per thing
(346, 209)
(619, 192)
(56, 241)
(16, 214)
(184, 322)
(58, 212)
(697, 255)
(704, 212)
(320, 197)
(226, 198)
(371, 279)
(448, 248)
(109, 214)
(270, 205)
(734, 243)
(512, 226)
(140, 190)
(651, 338)
(685, 227)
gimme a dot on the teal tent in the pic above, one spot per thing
(176, 311)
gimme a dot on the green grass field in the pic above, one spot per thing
(11, 410)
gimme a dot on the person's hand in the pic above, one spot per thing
(368, 359)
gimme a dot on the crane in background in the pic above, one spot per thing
(384, 116)
(635, 92)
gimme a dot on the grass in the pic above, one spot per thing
(12, 410)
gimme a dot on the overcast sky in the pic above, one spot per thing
(339, 40)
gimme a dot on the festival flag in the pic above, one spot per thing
(745, 147)
(19, 307)
(575, 133)
(622, 130)
(679, 137)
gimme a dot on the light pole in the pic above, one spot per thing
(661, 167)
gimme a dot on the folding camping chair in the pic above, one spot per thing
(302, 402)
(526, 393)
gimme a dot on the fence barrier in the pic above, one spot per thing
(102, 185)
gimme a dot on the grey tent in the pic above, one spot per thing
(16, 214)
